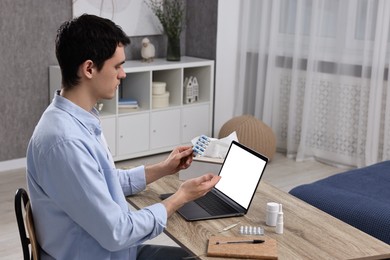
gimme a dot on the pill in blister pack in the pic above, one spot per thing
(201, 145)
(249, 230)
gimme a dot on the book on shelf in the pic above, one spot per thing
(127, 109)
(127, 103)
(128, 106)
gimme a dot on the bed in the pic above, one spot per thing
(359, 197)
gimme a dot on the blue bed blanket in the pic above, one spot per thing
(359, 197)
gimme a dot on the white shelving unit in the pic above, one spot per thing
(138, 132)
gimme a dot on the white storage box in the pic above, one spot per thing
(158, 88)
(160, 101)
(200, 166)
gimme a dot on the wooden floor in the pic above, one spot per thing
(281, 172)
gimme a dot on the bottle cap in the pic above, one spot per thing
(272, 206)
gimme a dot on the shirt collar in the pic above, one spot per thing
(90, 120)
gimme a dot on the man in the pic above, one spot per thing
(76, 193)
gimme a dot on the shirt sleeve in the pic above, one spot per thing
(132, 180)
(94, 199)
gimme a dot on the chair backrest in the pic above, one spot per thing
(25, 219)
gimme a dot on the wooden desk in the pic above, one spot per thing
(309, 233)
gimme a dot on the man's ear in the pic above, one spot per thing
(87, 68)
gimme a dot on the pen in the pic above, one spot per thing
(229, 227)
(254, 241)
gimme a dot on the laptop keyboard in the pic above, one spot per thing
(214, 205)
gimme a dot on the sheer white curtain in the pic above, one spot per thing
(316, 71)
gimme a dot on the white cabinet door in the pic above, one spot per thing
(164, 128)
(195, 122)
(133, 133)
(109, 131)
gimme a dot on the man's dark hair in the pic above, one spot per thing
(87, 37)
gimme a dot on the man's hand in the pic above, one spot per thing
(180, 158)
(190, 190)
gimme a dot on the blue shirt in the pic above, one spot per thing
(78, 196)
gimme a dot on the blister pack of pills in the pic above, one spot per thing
(201, 145)
(249, 230)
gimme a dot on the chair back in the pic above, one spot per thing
(25, 220)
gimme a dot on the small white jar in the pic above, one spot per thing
(158, 88)
(272, 213)
(160, 101)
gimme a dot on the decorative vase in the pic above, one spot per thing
(173, 49)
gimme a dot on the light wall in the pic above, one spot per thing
(227, 38)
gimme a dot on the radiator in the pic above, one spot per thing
(337, 117)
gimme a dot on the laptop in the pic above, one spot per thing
(240, 174)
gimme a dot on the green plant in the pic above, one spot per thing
(170, 13)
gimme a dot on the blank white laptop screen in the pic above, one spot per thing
(231, 197)
(240, 175)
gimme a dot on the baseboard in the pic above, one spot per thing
(14, 164)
